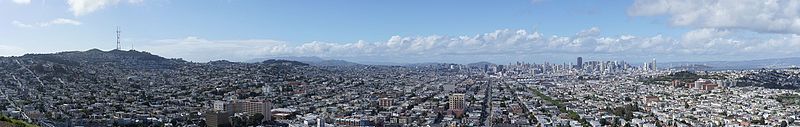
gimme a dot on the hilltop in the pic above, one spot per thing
(131, 59)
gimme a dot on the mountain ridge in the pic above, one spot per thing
(740, 64)
(310, 60)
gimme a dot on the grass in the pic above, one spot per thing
(686, 76)
(683, 76)
(19, 123)
(788, 99)
(572, 114)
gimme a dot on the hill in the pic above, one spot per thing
(283, 62)
(480, 64)
(131, 59)
(312, 60)
(737, 65)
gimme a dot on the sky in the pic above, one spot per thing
(410, 31)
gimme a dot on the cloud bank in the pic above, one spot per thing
(504, 42)
(765, 16)
(83, 7)
(6, 50)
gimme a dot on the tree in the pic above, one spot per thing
(237, 121)
(256, 119)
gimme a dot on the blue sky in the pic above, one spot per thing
(458, 31)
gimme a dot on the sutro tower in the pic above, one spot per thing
(118, 46)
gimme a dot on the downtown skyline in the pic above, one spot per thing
(410, 31)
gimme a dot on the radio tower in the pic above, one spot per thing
(118, 47)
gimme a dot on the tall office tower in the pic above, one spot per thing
(624, 65)
(501, 68)
(653, 64)
(457, 103)
(579, 63)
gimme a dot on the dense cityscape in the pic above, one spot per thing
(134, 88)
(399, 63)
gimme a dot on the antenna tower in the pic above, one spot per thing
(118, 46)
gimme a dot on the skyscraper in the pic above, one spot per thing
(653, 65)
(579, 63)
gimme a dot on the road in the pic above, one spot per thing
(487, 105)
(40, 83)
(24, 115)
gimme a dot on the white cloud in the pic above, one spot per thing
(704, 35)
(502, 42)
(20, 24)
(778, 46)
(589, 32)
(58, 21)
(21, 1)
(768, 16)
(6, 50)
(82, 7)
(198, 49)
(135, 1)
(505, 43)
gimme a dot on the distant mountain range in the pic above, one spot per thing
(132, 59)
(480, 64)
(735, 65)
(316, 61)
(704, 65)
(311, 60)
(141, 59)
